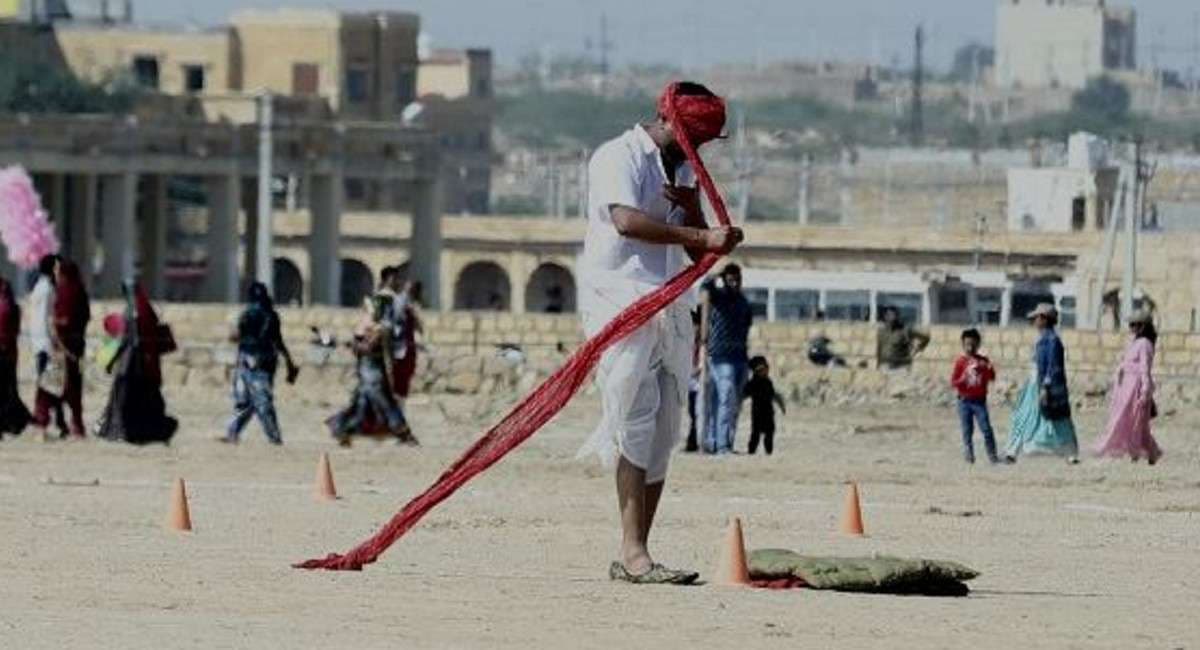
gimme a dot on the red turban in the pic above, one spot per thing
(699, 117)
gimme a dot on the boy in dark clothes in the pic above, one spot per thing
(763, 399)
(972, 374)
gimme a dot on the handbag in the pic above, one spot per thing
(166, 339)
(53, 379)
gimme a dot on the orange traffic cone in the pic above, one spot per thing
(852, 523)
(179, 517)
(732, 571)
(324, 486)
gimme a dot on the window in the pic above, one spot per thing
(848, 306)
(483, 88)
(406, 86)
(1066, 312)
(988, 304)
(306, 78)
(758, 299)
(953, 306)
(193, 78)
(357, 85)
(145, 71)
(797, 304)
(910, 306)
(1078, 213)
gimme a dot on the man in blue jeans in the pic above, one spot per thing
(730, 319)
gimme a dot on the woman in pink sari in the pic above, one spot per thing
(1132, 406)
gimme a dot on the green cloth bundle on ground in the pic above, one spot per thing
(881, 575)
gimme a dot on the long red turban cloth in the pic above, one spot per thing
(695, 120)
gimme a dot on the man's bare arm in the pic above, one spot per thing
(635, 224)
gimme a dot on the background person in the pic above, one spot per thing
(1041, 420)
(730, 319)
(1131, 407)
(259, 338)
(14, 416)
(70, 315)
(898, 342)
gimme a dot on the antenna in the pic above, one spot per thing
(917, 129)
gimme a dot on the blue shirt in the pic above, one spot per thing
(1050, 358)
(729, 322)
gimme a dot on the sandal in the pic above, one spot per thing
(657, 575)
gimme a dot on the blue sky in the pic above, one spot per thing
(725, 30)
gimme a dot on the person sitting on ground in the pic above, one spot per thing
(972, 374)
(260, 342)
(898, 342)
(763, 400)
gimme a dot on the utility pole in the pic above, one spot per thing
(743, 162)
(264, 261)
(917, 128)
(583, 183)
(605, 47)
(802, 201)
(980, 231)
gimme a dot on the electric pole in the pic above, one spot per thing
(605, 47)
(264, 262)
(917, 128)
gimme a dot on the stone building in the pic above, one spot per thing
(456, 94)
(1062, 43)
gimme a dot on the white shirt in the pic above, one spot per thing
(628, 171)
(41, 301)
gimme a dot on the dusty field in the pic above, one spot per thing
(1101, 555)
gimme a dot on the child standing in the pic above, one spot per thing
(972, 374)
(763, 399)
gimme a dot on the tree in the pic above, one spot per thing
(44, 88)
(967, 57)
(1105, 98)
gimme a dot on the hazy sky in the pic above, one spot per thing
(700, 32)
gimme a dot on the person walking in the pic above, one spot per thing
(1131, 407)
(14, 416)
(644, 220)
(260, 343)
(763, 400)
(406, 326)
(1041, 420)
(61, 382)
(373, 407)
(41, 324)
(136, 411)
(730, 319)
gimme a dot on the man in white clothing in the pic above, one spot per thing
(41, 316)
(644, 222)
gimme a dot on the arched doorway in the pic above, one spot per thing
(551, 290)
(482, 286)
(289, 284)
(357, 283)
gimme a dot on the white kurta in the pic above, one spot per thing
(646, 374)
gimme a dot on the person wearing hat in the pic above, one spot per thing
(1132, 407)
(644, 222)
(1041, 421)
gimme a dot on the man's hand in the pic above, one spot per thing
(722, 240)
(686, 198)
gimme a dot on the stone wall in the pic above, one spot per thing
(465, 354)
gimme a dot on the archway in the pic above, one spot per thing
(289, 284)
(357, 283)
(482, 286)
(551, 290)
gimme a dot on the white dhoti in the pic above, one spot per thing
(642, 379)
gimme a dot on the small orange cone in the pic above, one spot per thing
(852, 523)
(732, 571)
(179, 518)
(324, 487)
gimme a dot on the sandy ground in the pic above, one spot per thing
(1100, 555)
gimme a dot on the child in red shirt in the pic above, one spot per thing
(972, 374)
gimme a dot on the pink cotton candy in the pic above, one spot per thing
(24, 225)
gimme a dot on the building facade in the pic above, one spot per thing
(1062, 43)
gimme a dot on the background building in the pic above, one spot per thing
(1061, 43)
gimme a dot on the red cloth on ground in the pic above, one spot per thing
(972, 375)
(553, 394)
